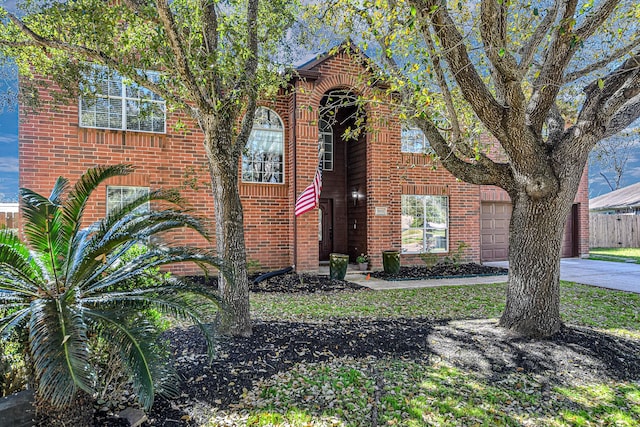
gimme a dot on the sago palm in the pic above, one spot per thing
(66, 284)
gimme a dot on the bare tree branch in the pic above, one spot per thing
(473, 88)
(210, 38)
(248, 76)
(444, 86)
(481, 173)
(595, 19)
(563, 46)
(182, 64)
(558, 55)
(607, 97)
(616, 54)
(493, 30)
(624, 118)
(528, 51)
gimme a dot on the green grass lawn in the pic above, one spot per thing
(615, 254)
(433, 392)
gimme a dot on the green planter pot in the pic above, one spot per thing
(338, 266)
(391, 262)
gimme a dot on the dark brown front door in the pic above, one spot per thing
(325, 231)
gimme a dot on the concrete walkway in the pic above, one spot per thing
(612, 275)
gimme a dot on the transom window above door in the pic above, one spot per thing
(263, 158)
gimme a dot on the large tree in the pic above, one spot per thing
(215, 58)
(547, 80)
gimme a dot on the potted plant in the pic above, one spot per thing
(363, 261)
(338, 266)
(391, 261)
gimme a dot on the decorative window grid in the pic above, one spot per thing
(113, 102)
(118, 196)
(326, 136)
(263, 159)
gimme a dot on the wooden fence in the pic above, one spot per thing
(8, 219)
(614, 231)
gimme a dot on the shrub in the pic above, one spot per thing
(68, 286)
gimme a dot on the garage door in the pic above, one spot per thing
(494, 231)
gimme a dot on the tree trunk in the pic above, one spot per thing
(234, 318)
(535, 244)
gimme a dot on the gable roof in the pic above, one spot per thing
(623, 198)
(306, 68)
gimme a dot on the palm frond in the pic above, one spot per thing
(17, 273)
(58, 191)
(41, 225)
(76, 202)
(169, 300)
(59, 350)
(133, 342)
(9, 322)
(155, 257)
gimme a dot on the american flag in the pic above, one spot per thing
(309, 198)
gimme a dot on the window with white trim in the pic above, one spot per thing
(414, 141)
(326, 136)
(425, 224)
(118, 196)
(263, 158)
(113, 102)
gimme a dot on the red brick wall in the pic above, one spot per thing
(52, 144)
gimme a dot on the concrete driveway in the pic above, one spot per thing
(605, 274)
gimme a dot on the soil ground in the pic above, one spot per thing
(576, 353)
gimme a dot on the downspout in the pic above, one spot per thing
(295, 176)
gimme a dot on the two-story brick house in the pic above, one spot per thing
(380, 191)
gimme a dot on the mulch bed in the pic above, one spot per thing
(575, 353)
(441, 271)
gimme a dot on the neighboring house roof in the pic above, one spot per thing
(623, 198)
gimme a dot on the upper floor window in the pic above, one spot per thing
(326, 137)
(118, 196)
(414, 141)
(263, 159)
(118, 103)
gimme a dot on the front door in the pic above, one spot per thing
(325, 231)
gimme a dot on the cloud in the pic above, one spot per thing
(7, 138)
(8, 164)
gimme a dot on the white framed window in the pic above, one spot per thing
(117, 103)
(326, 136)
(263, 158)
(425, 224)
(118, 196)
(414, 141)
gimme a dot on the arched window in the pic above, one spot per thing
(326, 136)
(263, 159)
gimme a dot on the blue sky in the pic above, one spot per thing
(9, 156)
